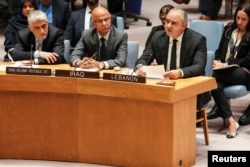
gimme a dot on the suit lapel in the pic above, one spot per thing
(110, 43)
(184, 45)
(165, 49)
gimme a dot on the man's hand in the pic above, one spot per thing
(89, 63)
(139, 71)
(173, 74)
(49, 57)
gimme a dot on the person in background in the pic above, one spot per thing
(41, 42)
(89, 52)
(115, 6)
(182, 1)
(204, 8)
(189, 58)
(57, 12)
(81, 20)
(210, 8)
(213, 9)
(233, 49)
(16, 23)
(162, 16)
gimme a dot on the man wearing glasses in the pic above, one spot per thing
(103, 46)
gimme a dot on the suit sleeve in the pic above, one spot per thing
(23, 48)
(196, 57)
(121, 51)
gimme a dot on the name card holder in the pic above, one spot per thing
(28, 71)
(124, 78)
(77, 74)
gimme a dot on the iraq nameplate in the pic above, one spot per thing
(124, 78)
(28, 71)
(77, 74)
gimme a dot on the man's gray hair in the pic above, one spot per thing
(183, 13)
(36, 15)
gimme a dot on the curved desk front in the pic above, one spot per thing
(99, 121)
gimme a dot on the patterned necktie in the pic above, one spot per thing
(39, 45)
(90, 20)
(103, 50)
(173, 55)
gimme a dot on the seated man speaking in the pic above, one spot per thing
(182, 51)
(40, 43)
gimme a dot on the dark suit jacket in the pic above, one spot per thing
(153, 31)
(61, 13)
(88, 45)
(76, 25)
(26, 43)
(193, 56)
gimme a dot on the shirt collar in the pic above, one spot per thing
(88, 10)
(179, 38)
(106, 37)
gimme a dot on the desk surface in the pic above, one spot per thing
(196, 85)
(99, 121)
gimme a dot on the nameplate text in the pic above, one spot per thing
(124, 78)
(28, 71)
(77, 74)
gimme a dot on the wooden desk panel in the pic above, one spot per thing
(99, 121)
(39, 126)
(139, 133)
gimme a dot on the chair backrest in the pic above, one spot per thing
(120, 23)
(209, 64)
(133, 51)
(212, 30)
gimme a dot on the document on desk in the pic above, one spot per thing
(16, 64)
(87, 69)
(154, 71)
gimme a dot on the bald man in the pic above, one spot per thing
(88, 52)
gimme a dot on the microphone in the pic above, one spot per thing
(31, 48)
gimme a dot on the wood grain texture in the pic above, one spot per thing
(99, 121)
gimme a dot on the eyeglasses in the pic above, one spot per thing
(102, 20)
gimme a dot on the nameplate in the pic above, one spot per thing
(28, 71)
(77, 74)
(124, 78)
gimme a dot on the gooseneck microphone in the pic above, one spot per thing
(31, 49)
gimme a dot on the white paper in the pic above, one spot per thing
(16, 64)
(87, 69)
(154, 71)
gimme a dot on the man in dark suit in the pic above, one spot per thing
(190, 55)
(57, 12)
(101, 47)
(41, 42)
(81, 20)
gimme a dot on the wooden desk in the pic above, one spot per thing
(99, 121)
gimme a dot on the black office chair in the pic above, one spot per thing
(126, 14)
